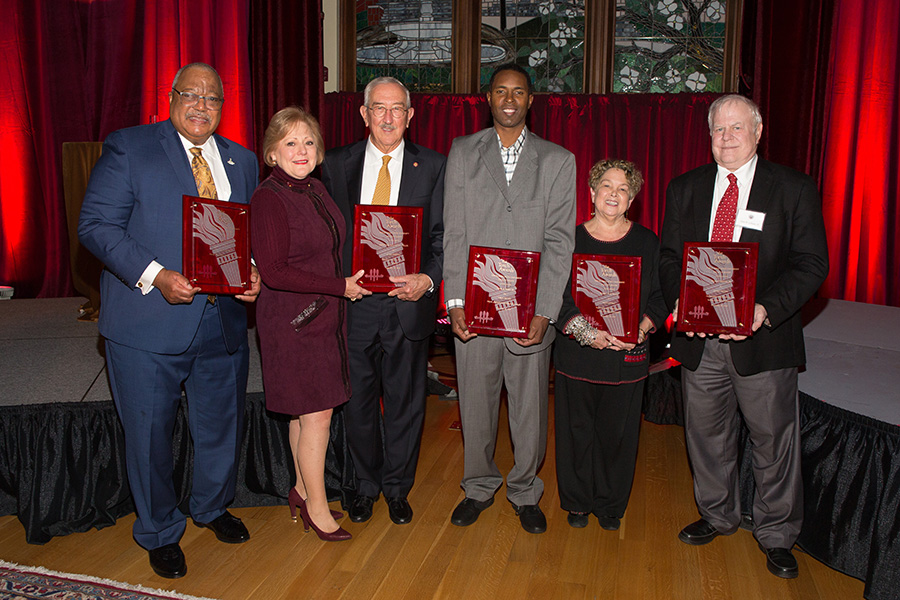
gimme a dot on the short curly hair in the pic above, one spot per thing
(632, 173)
(281, 125)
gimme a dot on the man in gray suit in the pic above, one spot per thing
(507, 188)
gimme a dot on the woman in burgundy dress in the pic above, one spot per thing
(297, 234)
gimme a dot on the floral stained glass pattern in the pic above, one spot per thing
(545, 37)
(406, 40)
(669, 46)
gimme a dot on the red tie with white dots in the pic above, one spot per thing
(726, 214)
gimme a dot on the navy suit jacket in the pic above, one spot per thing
(422, 184)
(793, 259)
(132, 215)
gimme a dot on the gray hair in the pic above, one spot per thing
(720, 102)
(199, 65)
(378, 81)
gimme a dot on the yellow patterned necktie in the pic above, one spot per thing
(206, 187)
(382, 195)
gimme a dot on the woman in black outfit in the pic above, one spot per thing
(600, 379)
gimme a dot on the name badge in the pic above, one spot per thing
(750, 219)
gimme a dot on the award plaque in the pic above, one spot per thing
(216, 245)
(607, 291)
(387, 242)
(501, 289)
(718, 287)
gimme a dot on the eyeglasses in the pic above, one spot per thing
(190, 99)
(396, 111)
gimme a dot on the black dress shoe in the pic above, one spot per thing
(361, 509)
(400, 510)
(781, 562)
(168, 561)
(698, 533)
(467, 511)
(577, 520)
(747, 523)
(532, 518)
(608, 523)
(228, 528)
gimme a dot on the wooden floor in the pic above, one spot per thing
(430, 558)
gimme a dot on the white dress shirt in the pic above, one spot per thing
(372, 163)
(744, 182)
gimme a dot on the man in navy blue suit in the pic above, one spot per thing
(159, 336)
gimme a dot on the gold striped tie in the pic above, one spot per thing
(382, 195)
(206, 187)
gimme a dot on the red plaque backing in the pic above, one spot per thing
(607, 291)
(387, 241)
(501, 289)
(216, 245)
(718, 287)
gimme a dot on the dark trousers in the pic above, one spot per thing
(597, 431)
(387, 376)
(146, 389)
(713, 394)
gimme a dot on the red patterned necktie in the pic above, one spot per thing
(726, 214)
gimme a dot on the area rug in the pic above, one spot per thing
(30, 583)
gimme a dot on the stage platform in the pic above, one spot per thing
(61, 466)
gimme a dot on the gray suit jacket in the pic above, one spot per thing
(535, 212)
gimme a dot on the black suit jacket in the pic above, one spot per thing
(793, 259)
(422, 184)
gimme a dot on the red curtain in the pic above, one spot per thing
(76, 71)
(861, 176)
(287, 59)
(665, 135)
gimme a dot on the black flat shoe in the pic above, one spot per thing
(608, 523)
(168, 561)
(228, 528)
(577, 520)
(467, 511)
(781, 562)
(361, 509)
(698, 533)
(532, 518)
(400, 511)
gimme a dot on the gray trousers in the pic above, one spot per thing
(713, 394)
(483, 365)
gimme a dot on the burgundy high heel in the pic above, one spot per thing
(295, 500)
(338, 535)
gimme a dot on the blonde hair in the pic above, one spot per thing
(281, 125)
(632, 173)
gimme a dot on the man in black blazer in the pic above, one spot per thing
(388, 333)
(780, 209)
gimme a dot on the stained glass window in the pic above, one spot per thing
(406, 40)
(545, 37)
(669, 46)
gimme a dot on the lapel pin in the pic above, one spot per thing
(230, 162)
(415, 164)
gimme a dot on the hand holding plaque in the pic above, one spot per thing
(216, 245)
(718, 288)
(501, 289)
(606, 289)
(387, 242)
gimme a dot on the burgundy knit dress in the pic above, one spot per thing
(296, 234)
